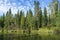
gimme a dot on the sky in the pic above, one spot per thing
(16, 5)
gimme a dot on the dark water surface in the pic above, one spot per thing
(28, 37)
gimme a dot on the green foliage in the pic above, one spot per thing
(17, 19)
(55, 6)
(36, 15)
(58, 20)
(45, 17)
(40, 18)
(22, 21)
(2, 19)
(8, 19)
(29, 19)
(36, 21)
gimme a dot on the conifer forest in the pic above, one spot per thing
(40, 24)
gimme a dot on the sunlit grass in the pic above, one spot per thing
(41, 31)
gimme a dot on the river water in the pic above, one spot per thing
(28, 37)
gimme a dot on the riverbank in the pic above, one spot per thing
(41, 31)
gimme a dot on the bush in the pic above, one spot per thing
(57, 31)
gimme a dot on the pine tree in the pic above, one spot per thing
(45, 17)
(55, 5)
(29, 21)
(8, 19)
(2, 19)
(17, 19)
(36, 15)
(26, 24)
(40, 18)
(22, 21)
(49, 21)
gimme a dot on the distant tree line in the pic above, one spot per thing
(30, 22)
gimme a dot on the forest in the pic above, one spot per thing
(31, 23)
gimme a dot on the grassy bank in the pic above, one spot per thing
(41, 31)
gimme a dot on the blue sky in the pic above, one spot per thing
(20, 5)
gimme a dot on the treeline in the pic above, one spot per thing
(38, 20)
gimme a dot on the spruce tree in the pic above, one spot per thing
(36, 15)
(40, 18)
(29, 20)
(22, 21)
(55, 6)
(45, 17)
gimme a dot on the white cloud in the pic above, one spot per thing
(1, 1)
(4, 7)
(6, 4)
(14, 10)
(9, 4)
(6, 1)
(22, 8)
